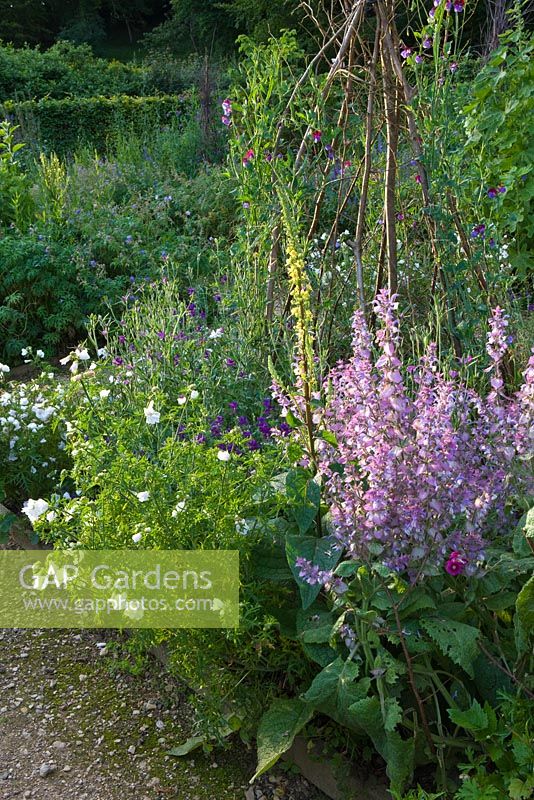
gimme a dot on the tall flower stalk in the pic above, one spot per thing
(423, 465)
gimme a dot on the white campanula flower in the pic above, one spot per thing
(74, 367)
(51, 516)
(40, 353)
(182, 401)
(24, 352)
(179, 507)
(194, 394)
(43, 414)
(82, 354)
(104, 393)
(216, 334)
(4, 368)
(143, 496)
(223, 455)
(35, 509)
(152, 417)
(137, 537)
(65, 360)
(101, 352)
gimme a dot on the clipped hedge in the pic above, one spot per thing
(64, 125)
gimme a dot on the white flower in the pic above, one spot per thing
(179, 507)
(223, 455)
(143, 496)
(51, 516)
(43, 414)
(216, 334)
(39, 353)
(194, 394)
(4, 368)
(152, 417)
(137, 537)
(35, 509)
(74, 367)
(82, 354)
(24, 351)
(105, 393)
(101, 352)
(182, 401)
(65, 360)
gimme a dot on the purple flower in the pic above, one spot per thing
(425, 471)
(230, 362)
(497, 339)
(427, 42)
(406, 52)
(118, 361)
(478, 230)
(492, 193)
(418, 59)
(232, 405)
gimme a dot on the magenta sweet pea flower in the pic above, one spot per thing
(249, 155)
(317, 136)
(456, 564)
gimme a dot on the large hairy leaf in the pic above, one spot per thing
(455, 639)
(304, 496)
(398, 753)
(278, 728)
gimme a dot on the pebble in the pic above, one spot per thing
(46, 769)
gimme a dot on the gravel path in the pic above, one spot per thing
(73, 726)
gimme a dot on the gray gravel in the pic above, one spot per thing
(71, 728)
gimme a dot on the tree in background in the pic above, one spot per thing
(25, 21)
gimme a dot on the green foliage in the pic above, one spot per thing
(65, 125)
(497, 122)
(15, 199)
(46, 295)
(66, 70)
(505, 769)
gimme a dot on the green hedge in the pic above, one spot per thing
(65, 125)
(67, 70)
